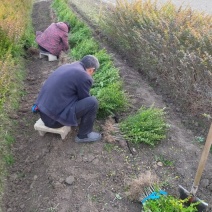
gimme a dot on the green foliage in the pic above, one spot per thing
(162, 159)
(147, 125)
(168, 204)
(103, 57)
(87, 46)
(169, 44)
(78, 25)
(105, 77)
(9, 160)
(28, 38)
(199, 139)
(9, 139)
(107, 84)
(80, 35)
(108, 147)
(5, 43)
(111, 99)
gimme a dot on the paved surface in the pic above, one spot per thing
(201, 5)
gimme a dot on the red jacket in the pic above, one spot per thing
(54, 39)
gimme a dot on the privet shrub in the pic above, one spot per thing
(146, 126)
(173, 47)
(15, 34)
(107, 83)
(85, 47)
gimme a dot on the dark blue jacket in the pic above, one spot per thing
(64, 87)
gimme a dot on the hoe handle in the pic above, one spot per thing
(202, 162)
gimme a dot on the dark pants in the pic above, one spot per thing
(85, 110)
(42, 49)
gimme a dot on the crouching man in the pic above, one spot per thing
(65, 98)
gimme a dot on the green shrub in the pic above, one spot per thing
(105, 77)
(168, 204)
(78, 25)
(79, 36)
(107, 84)
(87, 46)
(147, 125)
(111, 99)
(5, 43)
(103, 57)
(170, 45)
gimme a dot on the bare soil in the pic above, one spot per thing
(50, 174)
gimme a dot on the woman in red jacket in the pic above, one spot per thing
(54, 39)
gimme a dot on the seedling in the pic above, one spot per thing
(109, 147)
(162, 159)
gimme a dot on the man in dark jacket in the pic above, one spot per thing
(65, 98)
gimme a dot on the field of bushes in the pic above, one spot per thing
(16, 34)
(148, 125)
(170, 46)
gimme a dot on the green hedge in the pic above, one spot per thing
(107, 82)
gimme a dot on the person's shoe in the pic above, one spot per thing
(91, 137)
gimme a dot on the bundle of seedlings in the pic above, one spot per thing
(111, 132)
(143, 186)
(147, 190)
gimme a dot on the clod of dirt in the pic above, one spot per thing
(70, 180)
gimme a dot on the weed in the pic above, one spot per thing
(118, 196)
(53, 208)
(8, 158)
(199, 139)
(15, 32)
(94, 198)
(109, 147)
(162, 159)
(21, 175)
(9, 139)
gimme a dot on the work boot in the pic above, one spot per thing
(91, 137)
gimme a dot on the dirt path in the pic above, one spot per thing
(54, 175)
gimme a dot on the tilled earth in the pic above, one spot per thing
(50, 174)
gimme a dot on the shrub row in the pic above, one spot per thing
(173, 47)
(15, 33)
(107, 83)
(148, 125)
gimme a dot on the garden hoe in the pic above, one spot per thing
(191, 196)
